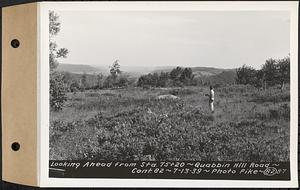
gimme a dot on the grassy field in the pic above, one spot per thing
(132, 124)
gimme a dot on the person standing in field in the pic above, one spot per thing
(211, 96)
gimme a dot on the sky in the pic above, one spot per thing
(221, 39)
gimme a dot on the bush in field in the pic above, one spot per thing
(137, 126)
(182, 91)
(57, 91)
(74, 86)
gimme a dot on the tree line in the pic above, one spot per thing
(57, 90)
(81, 82)
(116, 79)
(273, 72)
(177, 77)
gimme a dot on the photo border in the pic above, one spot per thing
(43, 89)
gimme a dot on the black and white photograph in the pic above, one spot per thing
(172, 87)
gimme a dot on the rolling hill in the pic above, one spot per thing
(198, 71)
(74, 68)
(209, 74)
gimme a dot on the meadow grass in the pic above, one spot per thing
(132, 124)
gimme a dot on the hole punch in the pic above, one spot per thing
(15, 43)
(15, 146)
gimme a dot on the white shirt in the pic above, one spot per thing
(212, 94)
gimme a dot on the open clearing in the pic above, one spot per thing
(132, 124)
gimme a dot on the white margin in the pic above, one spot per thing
(43, 82)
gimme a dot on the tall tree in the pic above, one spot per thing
(260, 79)
(270, 72)
(163, 79)
(245, 75)
(83, 81)
(54, 51)
(115, 69)
(283, 67)
(186, 76)
(99, 80)
(176, 73)
(57, 89)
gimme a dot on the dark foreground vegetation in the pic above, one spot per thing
(132, 124)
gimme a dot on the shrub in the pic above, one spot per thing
(137, 126)
(92, 94)
(181, 91)
(57, 91)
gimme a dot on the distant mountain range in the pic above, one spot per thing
(198, 71)
(211, 74)
(217, 75)
(78, 68)
(88, 69)
(74, 68)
